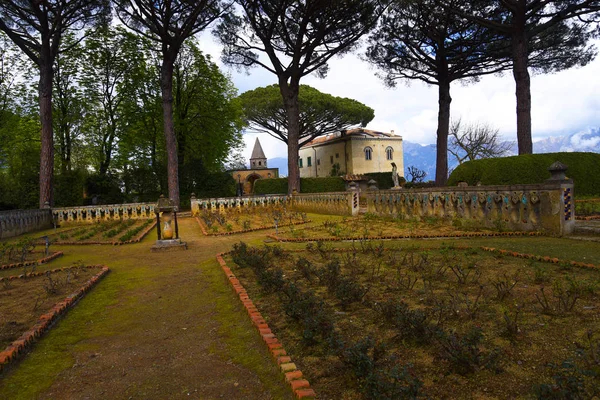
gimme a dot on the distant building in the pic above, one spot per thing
(258, 170)
(353, 152)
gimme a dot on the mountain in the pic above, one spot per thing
(581, 141)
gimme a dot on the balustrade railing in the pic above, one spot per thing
(17, 222)
(547, 206)
(104, 212)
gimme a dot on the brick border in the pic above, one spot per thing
(552, 260)
(45, 321)
(424, 236)
(293, 376)
(44, 260)
(260, 228)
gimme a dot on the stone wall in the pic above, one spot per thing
(104, 212)
(341, 203)
(17, 222)
(545, 207)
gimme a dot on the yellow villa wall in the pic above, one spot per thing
(356, 163)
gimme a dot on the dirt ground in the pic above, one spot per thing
(159, 326)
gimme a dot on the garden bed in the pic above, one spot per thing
(214, 223)
(374, 322)
(106, 232)
(30, 304)
(373, 227)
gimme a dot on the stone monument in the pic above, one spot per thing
(167, 229)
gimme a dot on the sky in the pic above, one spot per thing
(562, 103)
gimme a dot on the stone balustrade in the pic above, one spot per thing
(545, 207)
(104, 212)
(342, 203)
(337, 203)
(17, 222)
(236, 203)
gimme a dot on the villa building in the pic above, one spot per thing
(352, 152)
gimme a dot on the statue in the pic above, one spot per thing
(395, 176)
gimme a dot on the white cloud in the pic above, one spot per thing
(562, 103)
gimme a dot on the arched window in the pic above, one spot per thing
(389, 153)
(368, 153)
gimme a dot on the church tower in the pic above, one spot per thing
(258, 159)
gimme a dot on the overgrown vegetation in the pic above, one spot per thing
(402, 320)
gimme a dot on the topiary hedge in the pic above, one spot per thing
(307, 185)
(583, 168)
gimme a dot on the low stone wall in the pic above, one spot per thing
(337, 203)
(236, 203)
(341, 203)
(18, 222)
(104, 212)
(545, 207)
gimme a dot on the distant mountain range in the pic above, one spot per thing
(423, 156)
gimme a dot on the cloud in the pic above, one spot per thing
(562, 103)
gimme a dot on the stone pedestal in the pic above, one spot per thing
(169, 245)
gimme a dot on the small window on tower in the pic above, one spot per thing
(331, 159)
(259, 163)
(337, 155)
(309, 162)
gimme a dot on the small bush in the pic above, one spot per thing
(464, 353)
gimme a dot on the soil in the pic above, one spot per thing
(374, 226)
(233, 221)
(540, 337)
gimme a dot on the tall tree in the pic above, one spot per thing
(110, 57)
(545, 35)
(208, 116)
(419, 40)
(68, 104)
(295, 38)
(320, 113)
(37, 27)
(169, 23)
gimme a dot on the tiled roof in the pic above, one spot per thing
(357, 132)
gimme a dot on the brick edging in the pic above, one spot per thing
(260, 228)
(586, 218)
(293, 376)
(45, 322)
(552, 260)
(424, 236)
(44, 260)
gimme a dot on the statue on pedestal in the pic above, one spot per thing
(395, 176)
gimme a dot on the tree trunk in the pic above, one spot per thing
(441, 163)
(292, 109)
(47, 136)
(523, 85)
(166, 85)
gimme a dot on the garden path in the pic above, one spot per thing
(160, 325)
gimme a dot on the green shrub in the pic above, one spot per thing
(307, 185)
(531, 168)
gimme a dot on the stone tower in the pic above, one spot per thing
(258, 159)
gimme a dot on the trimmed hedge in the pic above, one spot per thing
(307, 185)
(583, 168)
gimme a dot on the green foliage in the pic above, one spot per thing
(307, 185)
(320, 113)
(529, 169)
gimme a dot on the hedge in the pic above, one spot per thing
(307, 185)
(583, 168)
